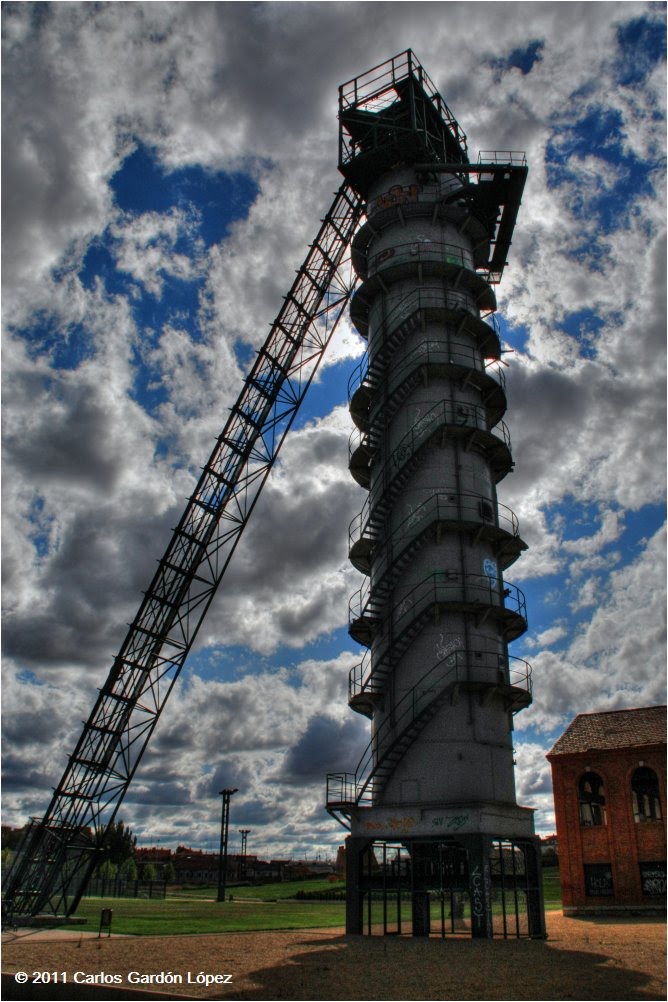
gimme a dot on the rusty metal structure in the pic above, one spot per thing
(61, 849)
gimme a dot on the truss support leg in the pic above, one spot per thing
(421, 913)
(535, 902)
(354, 898)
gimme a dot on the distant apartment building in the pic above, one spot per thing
(609, 780)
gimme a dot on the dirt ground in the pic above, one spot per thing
(582, 959)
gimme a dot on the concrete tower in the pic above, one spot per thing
(436, 834)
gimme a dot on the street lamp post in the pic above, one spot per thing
(224, 828)
(244, 832)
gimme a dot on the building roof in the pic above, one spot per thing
(613, 729)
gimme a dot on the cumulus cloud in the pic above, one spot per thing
(127, 336)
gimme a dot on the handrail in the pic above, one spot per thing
(369, 88)
(362, 372)
(363, 680)
(428, 297)
(440, 587)
(501, 513)
(414, 702)
(432, 686)
(517, 158)
(446, 298)
(433, 353)
(458, 414)
(468, 507)
(419, 250)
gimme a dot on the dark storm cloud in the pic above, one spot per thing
(326, 746)
(15, 775)
(74, 444)
(85, 622)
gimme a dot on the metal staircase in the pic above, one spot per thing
(60, 849)
(461, 669)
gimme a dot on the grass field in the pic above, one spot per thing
(182, 916)
(551, 888)
(264, 907)
(261, 892)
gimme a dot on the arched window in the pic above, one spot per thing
(591, 799)
(645, 794)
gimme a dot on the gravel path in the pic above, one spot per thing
(582, 960)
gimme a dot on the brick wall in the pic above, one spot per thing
(621, 844)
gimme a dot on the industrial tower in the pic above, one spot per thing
(435, 787)
(437, 838)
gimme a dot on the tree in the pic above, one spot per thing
(129, 869)
(11, 837)
(117, 843)
(169, 873)
(148, 871)
(107, 871)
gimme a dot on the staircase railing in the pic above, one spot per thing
(445, 587)
(447, 506)
(457, 417)
(431, 353)
(363, 681)
(403, 725)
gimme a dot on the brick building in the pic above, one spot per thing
(158, 857)
(193, 866)
(609, 779)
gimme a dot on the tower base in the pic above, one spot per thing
(483, 884)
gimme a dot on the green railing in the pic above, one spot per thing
(422, 251)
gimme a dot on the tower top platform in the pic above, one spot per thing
(393, 113)
(393, 116)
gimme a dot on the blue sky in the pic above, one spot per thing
(165, 186)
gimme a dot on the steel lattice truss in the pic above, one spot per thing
(60, 849)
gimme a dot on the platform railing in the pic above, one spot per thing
(431, 301)
(422, 250)
(516, 158)
(460, 354)
(363, 681)
(453, 414)
(461, 510)
(357, 788)
(468, 506)
(429, 297)
(375, 89)
(447, 587)
(450, 413)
